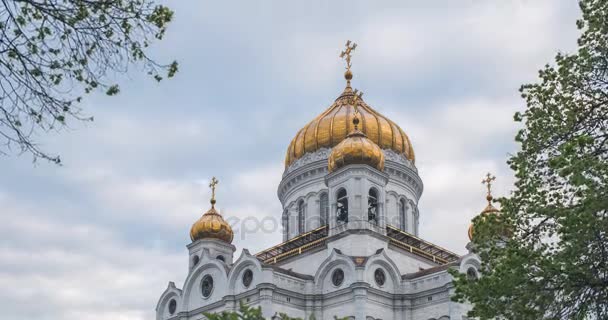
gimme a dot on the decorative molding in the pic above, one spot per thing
(321, 154)
(399, 158)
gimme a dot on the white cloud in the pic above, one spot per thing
(92, 273)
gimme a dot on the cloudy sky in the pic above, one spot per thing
(100, 237)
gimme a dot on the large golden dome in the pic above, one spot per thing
(356, 149)
(333, 125)
(211, 225)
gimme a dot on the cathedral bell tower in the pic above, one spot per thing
(356, 180)
(349, 170)
(211, 236)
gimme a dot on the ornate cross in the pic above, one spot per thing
(488, 181)
(212, 185)
(347, 52)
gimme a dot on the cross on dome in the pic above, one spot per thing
(346, 55)
(488, 182)
(212, 185)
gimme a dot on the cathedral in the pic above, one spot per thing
(351, 244)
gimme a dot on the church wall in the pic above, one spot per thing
(429, 282)
(356, 244)
(408, 263)
(313, 261)
(436, 309)
(379, 307)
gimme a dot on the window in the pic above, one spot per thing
(337, 277)
(221, 258)
(195, 260)
(379, 277)
(172, 306)
(471, 274)
(402, 215)
(247, 278)
(372, 206)
(207, 286)
(301, 216)
(324, 208)
(342, 206)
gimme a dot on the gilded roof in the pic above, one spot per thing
(211, 226)
(356, 149)
(333, 125)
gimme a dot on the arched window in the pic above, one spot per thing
(301, 216)
(324, 208)
(342, 206)
(372, 205)
(403, 215)
(471, 274)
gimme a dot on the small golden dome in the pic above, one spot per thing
(356, 149)
(211, 225)
(489, 209)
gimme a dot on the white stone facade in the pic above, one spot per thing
(387, 272)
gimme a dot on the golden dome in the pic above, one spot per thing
(332, 126)
(211, 225)
(489, 209)
(356, 149)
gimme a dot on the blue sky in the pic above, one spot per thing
(100, 237)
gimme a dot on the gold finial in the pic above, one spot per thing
(356, 96)
(488, 182)
(212, 185)
(346, 55)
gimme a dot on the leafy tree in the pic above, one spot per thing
(554, 264)
(52, 52)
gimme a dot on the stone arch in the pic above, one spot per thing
(192, 297)
(415, 217)
(245, 261)
(470, 261)
(323, 274)
(171, 293)
(382, 260)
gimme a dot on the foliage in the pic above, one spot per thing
(52, 52)
(555, 263)
(249, 313)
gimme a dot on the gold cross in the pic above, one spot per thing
(347, 52)
(212, 185)
(488, 181)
